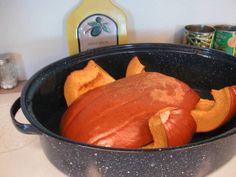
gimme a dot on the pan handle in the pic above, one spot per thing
(24, 128)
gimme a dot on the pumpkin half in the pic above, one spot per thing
(117, 114)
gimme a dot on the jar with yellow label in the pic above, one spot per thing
(96, 24)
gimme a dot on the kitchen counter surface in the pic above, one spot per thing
(22, 155)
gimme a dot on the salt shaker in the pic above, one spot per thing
(8, 74)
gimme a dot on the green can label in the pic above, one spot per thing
(225, 41)
(199, 35)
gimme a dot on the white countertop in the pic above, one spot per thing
(22, 155)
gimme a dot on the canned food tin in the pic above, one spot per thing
(199, 35)
(225, 39)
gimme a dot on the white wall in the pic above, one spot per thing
(34, 31)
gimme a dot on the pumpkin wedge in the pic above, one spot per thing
(205, 104)
(216, 113)
(81, 81)
(134, 67)
(171, 127)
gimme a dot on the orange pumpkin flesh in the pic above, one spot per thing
(221, 112)
(81, 81)
(134, 67)
(158, 132)
(205, 104)
(117, 114)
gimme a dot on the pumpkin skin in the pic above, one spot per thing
(117, 114)
(180, 127)
(171, 127)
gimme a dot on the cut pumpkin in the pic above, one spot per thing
(134, 67)
(117, 114)
(213, 116)
(171, 127)
(158, 132)
(204, 104)
(81, 81)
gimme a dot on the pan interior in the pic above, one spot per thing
(202, 69)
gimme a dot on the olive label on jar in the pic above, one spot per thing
(225, 39)
(97, 31)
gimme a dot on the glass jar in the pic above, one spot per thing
(8, 74)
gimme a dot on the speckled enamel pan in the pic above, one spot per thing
(43, 104)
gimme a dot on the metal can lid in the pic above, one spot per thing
(4, 59)
(229, 28)
(200, 29)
